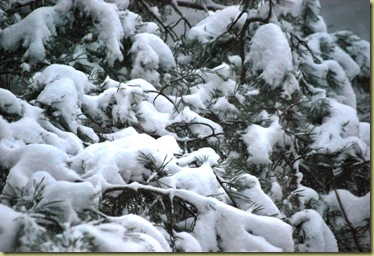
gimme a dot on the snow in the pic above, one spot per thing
(338, 130)
(165, 127)
(70, 198)
(200, 180)
(159, 102)
(260, 141)
(270, 55)
(124, 160)
(137, 224)
(343, 67)
(112, 237)
(56, 72)
(357, 48)
(217, 82)
(305, 195)
(127, 98)
(202, 155)
(216, 24)
(164, 54)
(186, 243)
(292, 7)
(9, 226)
(107, 24)
(10, 103)
(31, 33)
(133, 24)
(229, 223)
(24, 161)
(334, 80)
(364, 132)
(149, 53)
(122, 4)
(275, 192)
(200, 126)
(31, 128)
(97, 105)
(317, 235)
(62, 96)
(350, 203)
(253, 199)
(120, 134)
(155, 122)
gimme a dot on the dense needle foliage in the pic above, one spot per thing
(125, 126)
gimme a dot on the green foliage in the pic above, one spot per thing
(254, 102)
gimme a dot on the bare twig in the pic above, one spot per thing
(174, 4)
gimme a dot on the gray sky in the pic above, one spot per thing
(352, 15)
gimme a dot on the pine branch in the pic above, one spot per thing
(224, 188)
(352, 229)
(242, 38)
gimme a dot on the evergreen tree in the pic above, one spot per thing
(126, 127)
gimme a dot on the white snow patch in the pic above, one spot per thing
(356, 208)
(252, 197)
(9, 226)
(260, 141)
(216, 24)
(317, 235)
(271, 55)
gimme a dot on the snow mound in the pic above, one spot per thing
(338, 130)
(31, 33)
(149, 53)
(260, 141)
(218, 219)
(131, 158)
(113, 237)
(70, 198)
(270, 55)
(107, 24)
(215, 25)
(253, 199)
(24, 161)
(317, 235)
(8, 228)
(350, 203)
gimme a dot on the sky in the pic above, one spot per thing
(352, 15)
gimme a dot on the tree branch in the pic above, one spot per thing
(209, 6)
(224, 188)
(353, 231)
(166, 28)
